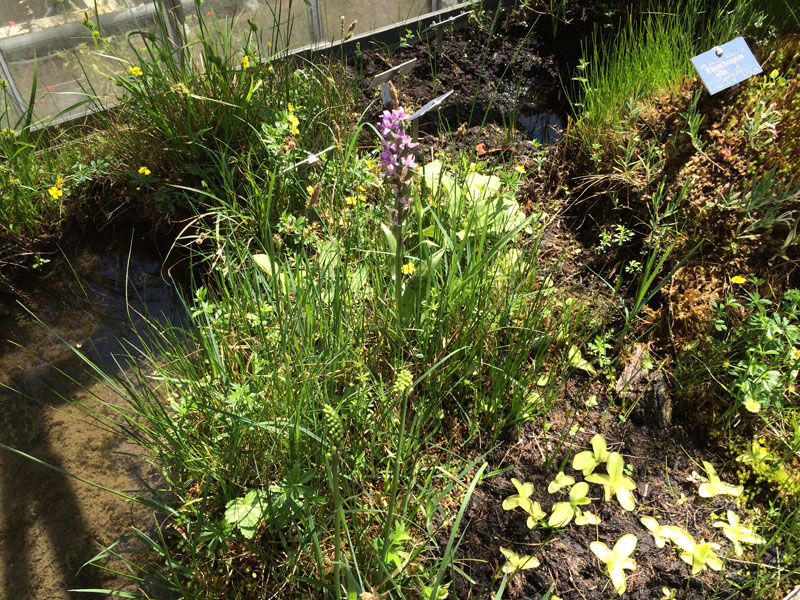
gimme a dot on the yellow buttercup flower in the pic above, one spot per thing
(408, 269)
(738, 279)
(310, 190)
(294, 123)
(245, 62)
(135, 71)
(520, 169)
(55, 192)
(752, 405)
(350, 200)
(144, 171)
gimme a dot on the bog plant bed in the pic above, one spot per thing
(470, 364)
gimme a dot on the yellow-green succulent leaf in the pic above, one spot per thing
(515, 562)
(561, 515)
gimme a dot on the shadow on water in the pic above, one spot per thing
(49, 523)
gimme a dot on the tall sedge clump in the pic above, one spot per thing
(397, 165)
(335, 429)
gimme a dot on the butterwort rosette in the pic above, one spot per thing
(397, 161)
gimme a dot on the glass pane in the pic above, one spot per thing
(54, 48)
(370, 14)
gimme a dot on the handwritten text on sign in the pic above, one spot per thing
(726, 65)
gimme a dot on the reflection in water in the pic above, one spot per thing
(49, 523)
(544, 127)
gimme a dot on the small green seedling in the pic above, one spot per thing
(615, 482)
(738, 533)
(714, 486)
(564, 511)
(702, 556)
(561, 481)
(588, 460)
(515, 562)
(522, 500)
(586, 518)
(535, 515)
(669, 593)
(617, 560)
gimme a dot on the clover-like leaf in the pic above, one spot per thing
(521, 499)
(588, 460)
(561, 481)
(714, 486)
(702, 556)
(738, 533)
(515, 562)
(617, 560)
(615, 482)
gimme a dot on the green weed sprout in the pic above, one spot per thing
(560, 482)
(515, 562)
(615, 482)
(522, 500)
(564, 511)
(701, 556)
(588, 460)
(714, 486)
(586, 518)
(617, 560)
(738, 533)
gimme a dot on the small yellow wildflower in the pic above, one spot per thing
(350, 200)
(752, 405)
(245, 62)
(726, 364)
(310, 190)
(408, 269)
(520, 169)
(144, 171)
(294, 123)
(59, 181)
(739, 279)
(791, 389)
(135, 71)
(55, 192)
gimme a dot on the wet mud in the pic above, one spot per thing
(97, 304)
